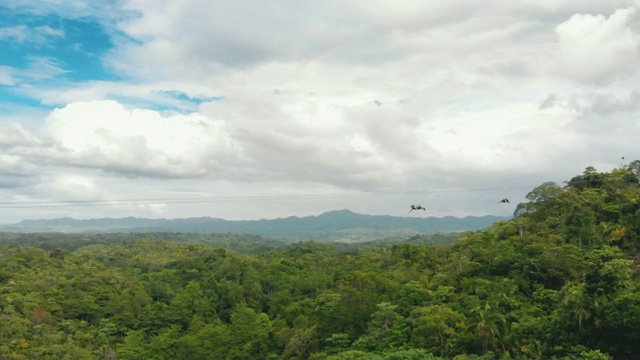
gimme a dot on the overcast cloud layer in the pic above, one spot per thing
(255, 109)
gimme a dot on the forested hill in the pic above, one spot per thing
(329, 226)
(559, 281)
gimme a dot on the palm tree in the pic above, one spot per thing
(488, 324)
(578, 304)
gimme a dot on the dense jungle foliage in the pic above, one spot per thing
(558, 281)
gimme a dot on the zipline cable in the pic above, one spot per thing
(191, 200)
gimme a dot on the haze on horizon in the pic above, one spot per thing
(252, 110)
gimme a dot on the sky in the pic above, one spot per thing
(252, 109)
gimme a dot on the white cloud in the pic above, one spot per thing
(599, 48)
(302, 139)
(41, 68)
(12, 164)
(16, 173)
(6, 77)
(606, 105)
(75, 186)
(38, 35)
(15, 134)
(548, 102)
(105, 135)
(15, 33)
(101, 10)
(386, 103)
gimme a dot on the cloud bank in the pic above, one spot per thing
(380, 102)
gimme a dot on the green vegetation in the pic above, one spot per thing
(559, 281)
(252, 244)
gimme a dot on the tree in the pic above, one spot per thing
(538, 198)
(386, 330)
(634, 168)
(577, 309)
(133, 346)
(590, 178)
(337, 343)
(205, 341)
(252, 334)
(433, 326)
(488, 325)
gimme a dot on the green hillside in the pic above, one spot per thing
(558, 281)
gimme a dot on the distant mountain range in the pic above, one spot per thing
(339, 225)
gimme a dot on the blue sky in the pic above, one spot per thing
(50, 50)
(76, 46)
(47, 49)
(249, 110)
